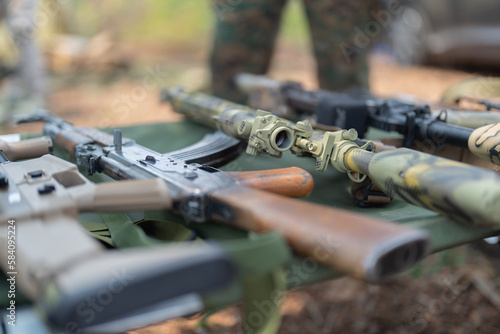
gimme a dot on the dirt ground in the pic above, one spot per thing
(443, 299)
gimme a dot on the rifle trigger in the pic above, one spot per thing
(91, 168)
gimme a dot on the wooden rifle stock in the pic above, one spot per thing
(355, 244)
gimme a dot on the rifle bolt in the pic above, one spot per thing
(46, 189)
(4, 181)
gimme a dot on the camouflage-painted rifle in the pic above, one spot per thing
(486, 141)
(368, 249)
(457, 190)
(78, 285)
(363, 110)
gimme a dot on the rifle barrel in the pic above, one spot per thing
(460, 191)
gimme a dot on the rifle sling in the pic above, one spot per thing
(263, 279)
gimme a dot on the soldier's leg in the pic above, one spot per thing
(341, 35)
(245, 33)
(22, 26)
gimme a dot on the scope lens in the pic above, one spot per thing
(283, 140)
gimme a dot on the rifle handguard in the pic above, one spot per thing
(457, 190)
(128, 195)
(27, 149)
(292, 181)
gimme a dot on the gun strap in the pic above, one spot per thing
(366, 194)
(99, 231)
(124, 233)
(262, 298)
(262, 260)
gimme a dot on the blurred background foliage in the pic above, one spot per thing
(170, 23)
(173, 32)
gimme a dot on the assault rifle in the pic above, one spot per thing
(459, 191)
(355, 244)
(78, 285)
(362, 110)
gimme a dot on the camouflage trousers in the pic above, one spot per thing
(20, 18)
(246, 31)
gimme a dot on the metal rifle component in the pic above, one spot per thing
(460, 191)
(469, 119)
(267, 133)
(489, 104)
(364, 110)
(215, 149)
(59, 266)
(368, 249)
(26, 149)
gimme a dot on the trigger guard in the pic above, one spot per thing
(354, 178)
